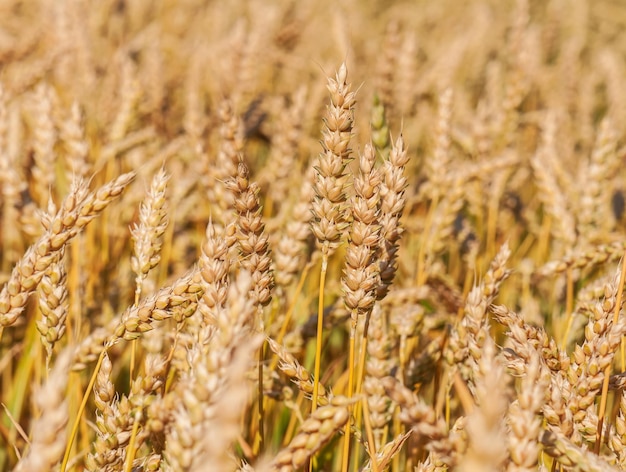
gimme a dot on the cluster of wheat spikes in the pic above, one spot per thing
(312, 235)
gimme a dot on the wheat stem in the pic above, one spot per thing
(319, 334)
(81, 410)
(130, 450)
(345, 458)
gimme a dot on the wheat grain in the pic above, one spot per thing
(148, 233)
(298, 374)
(328, 204)
(290, 250)
(48, 431)
(387, 64)
(361, 275)
(314, 433)
(72, 134)
(252, 241)
(44, 139)
(422, 419)
(53, 304)
(523, 421)
(378, 366)
(568, 454)
(392, 201)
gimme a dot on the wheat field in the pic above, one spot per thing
(354, 235)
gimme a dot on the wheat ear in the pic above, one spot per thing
(329, 213)
(77, 210)
(48, 441)
(361, 275)
(317, 430)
